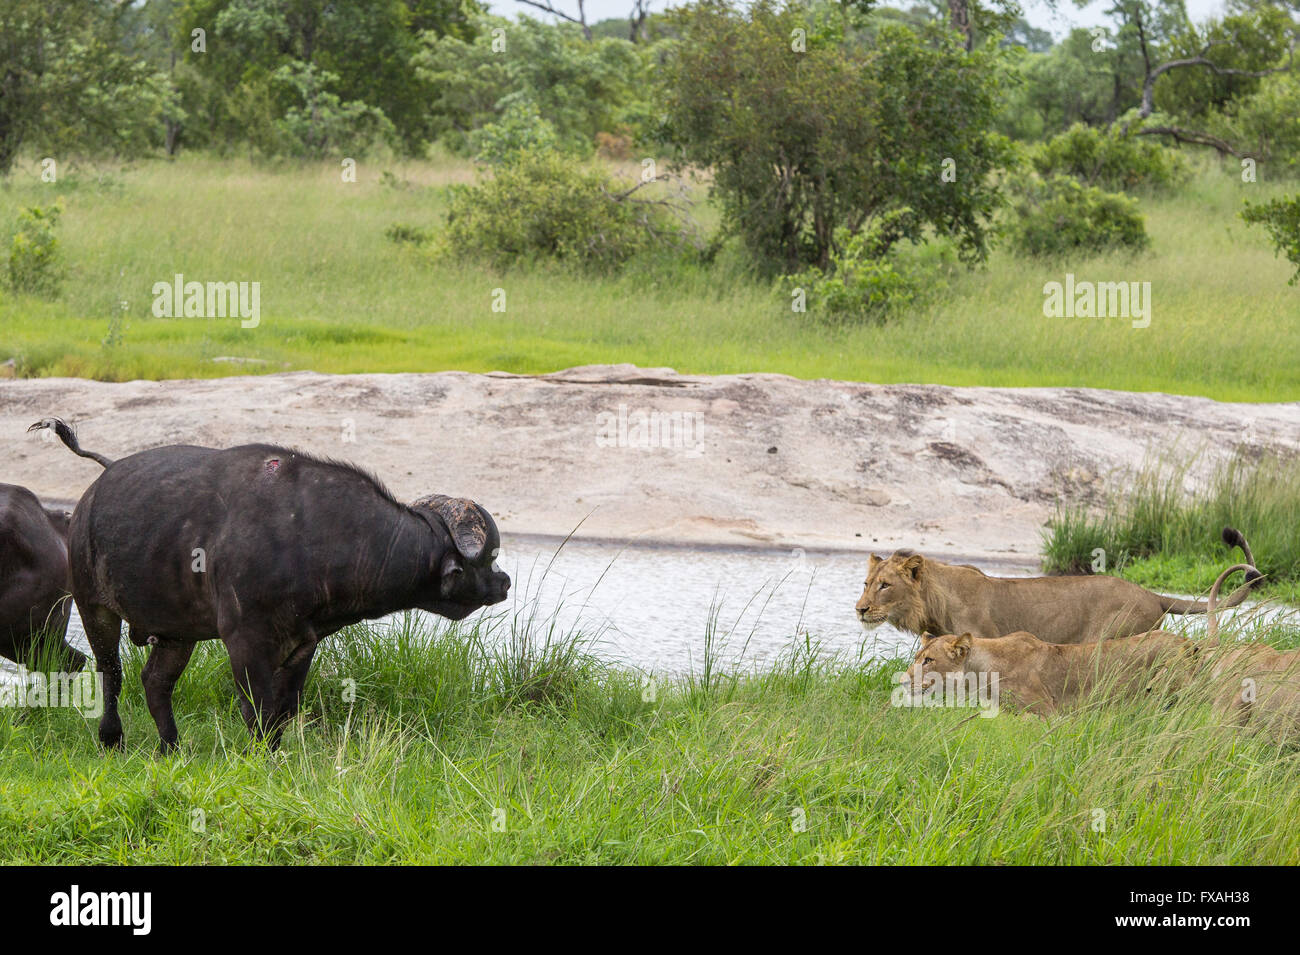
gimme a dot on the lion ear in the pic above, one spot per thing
(913, 565)
(961, 646)
(927, 637)
(873, 560)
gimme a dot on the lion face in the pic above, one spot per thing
(937, 657)
(892, 591)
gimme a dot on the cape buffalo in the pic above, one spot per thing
(34, 603)
(268, 549)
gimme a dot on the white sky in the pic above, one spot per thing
(1036, 12)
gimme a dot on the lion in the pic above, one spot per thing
(920, 594)
(1041, 677)
(1252, 682)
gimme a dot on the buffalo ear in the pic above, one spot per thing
(451, 570)
(471, 528)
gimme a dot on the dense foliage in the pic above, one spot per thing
(1281, 219)
(831, 134)
(806, 143)
(542, 205)
(1061, 216)
(1109, 159)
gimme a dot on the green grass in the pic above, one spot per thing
(338, 297)
(454, 751)
(1162, 530)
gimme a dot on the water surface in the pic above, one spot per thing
(661, 609)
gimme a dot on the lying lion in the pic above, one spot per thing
(1252, 681)
(1040, 677)
(919, 594)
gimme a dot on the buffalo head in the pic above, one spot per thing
(468, 577)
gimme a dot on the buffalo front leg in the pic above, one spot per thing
(164, 667)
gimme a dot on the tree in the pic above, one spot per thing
(363, 47)
(1254, 39)
(68, 83)
(580, 87)
(809, 136)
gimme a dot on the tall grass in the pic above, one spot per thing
(433, 758)
(337, 296)
(1166, 523)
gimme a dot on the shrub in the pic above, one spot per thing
(866, 279)
(404, 234)
(1281, 218)
(614, 145)
(520, 129)
(1112, 161)
(1060, 216)
(544, 206)
(580, 86)
(1268, 123)
(35, 264)
(324, 125)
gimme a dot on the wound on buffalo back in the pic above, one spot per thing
(270, 466)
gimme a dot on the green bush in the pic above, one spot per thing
(542, 205)
(1267, 123)
(35, 263)
(1281, 218)
(1061, 216)
(320, 123)
(867, 279)
(520, 129)
(1111, 161)
(404, 234)
(582, 87)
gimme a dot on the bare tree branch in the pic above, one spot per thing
(1191, 136)
(580, 19)
(636, 19)
(1149, 85)
(1153, 73)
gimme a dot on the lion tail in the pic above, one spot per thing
(1233, 538)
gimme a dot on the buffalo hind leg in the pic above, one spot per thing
(166, 663)
(253, 684)
(104, 633)
(288, 682)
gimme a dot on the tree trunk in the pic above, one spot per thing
(959, 17)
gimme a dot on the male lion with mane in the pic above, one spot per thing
(920, 594)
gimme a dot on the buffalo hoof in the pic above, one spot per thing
(112, 737)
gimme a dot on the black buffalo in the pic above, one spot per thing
(269, 549)
(34, 602)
